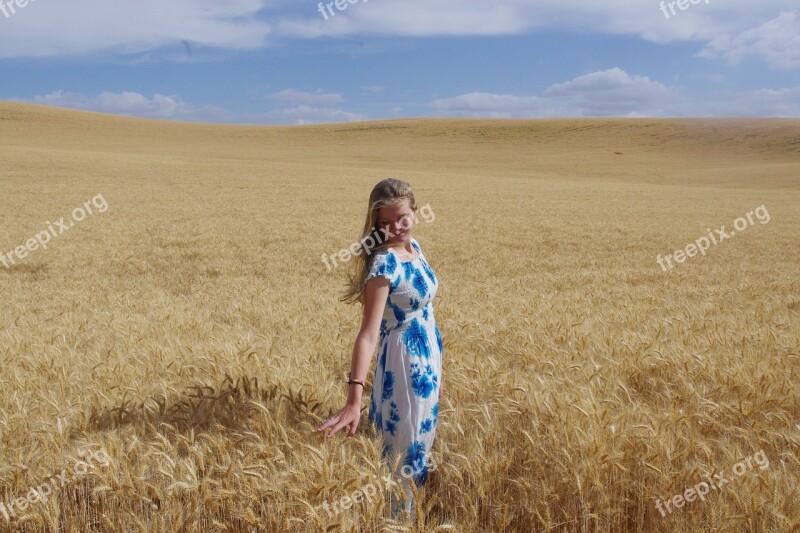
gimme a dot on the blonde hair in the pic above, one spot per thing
(386, 193)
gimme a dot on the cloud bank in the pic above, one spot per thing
(732, 29)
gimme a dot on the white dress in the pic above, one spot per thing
(404, 404)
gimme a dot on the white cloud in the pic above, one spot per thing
(612, 92)
(777, 40)
(492, 105)
(135, 104)
(300, 97)
(173, 108)
(702, 22)
(783, 103)
(311, 115)
(47, 28)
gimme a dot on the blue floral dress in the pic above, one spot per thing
(404, 404)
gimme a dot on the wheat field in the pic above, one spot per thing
(192, 333)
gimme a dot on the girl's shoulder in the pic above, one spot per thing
(382, 259)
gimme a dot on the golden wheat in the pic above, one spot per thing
(193, 332)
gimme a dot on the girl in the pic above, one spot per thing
(396, 286)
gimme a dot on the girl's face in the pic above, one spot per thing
(398, 220)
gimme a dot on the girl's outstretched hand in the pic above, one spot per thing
(349, 415)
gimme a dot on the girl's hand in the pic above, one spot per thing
(349, 415)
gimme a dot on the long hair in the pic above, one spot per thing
(387, 192)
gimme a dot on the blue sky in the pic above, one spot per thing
(284, 62)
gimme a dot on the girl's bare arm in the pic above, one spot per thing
(376, 292)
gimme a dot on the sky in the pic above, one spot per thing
(304, 62)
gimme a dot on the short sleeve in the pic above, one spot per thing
(382, 264)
